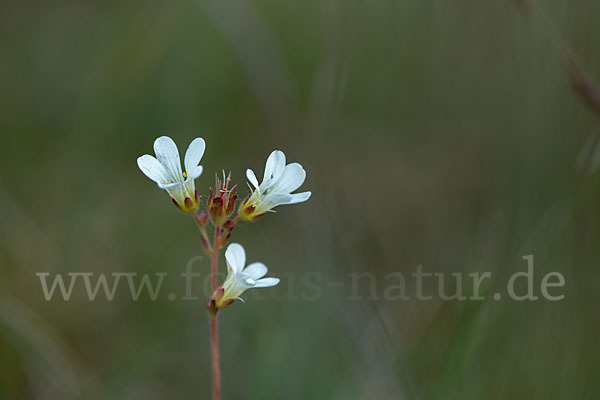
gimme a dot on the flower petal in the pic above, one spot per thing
(252, 178)
(274, 166)
(152, 168)
(168, 155)
(278, 199)
(176, 191)
(292, 178)
(194, 154)
(189, 189)
(266, 282)
(271, 201)
(299, 197)
(170, 185)
(194, 173)
(256, 270)
(235, 257)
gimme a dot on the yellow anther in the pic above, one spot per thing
(184, 175)
(167, 182)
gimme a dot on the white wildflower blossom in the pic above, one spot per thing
(166, 171)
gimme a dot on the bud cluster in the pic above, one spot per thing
(221, 200)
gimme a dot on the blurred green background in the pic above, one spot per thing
(434, 133)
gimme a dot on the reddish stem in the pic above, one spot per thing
(214, 335)
(215, 357)
(215, 260)
(205, 242)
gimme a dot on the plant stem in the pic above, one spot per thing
(215, 259)
(214, 335)
(215, 357)
(205, 242)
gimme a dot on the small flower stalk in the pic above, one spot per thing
(202, 220)
(279, 182)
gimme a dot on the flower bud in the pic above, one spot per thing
(228, 227)
(203, 218)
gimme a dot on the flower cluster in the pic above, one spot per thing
(279, 181)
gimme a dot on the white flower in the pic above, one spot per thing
(165, 170)
(279, 181)
(239, 279)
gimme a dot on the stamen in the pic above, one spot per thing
(184, 175)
